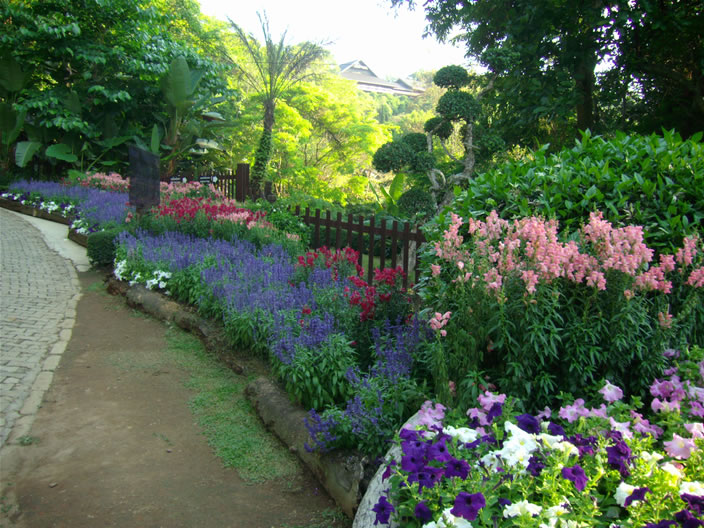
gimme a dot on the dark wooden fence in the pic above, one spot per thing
(395, 244)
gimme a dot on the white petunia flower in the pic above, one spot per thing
(463, 434)
(521, 508)
(667, 467)
(692, 488)
(622, 493)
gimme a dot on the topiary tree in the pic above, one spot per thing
(414, 153)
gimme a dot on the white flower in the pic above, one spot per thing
(672, 470)
(521, 508)
(692, 488)
(622, 493)
(463, 434)
(651, 457)
(556, 511)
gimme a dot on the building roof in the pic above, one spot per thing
(369, 81)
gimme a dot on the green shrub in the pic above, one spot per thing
(101, 247)
(653, 181)
(416, 204)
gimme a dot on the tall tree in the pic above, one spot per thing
(93, 68)
(550, 59)
(275, 68)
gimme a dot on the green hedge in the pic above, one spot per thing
(653, 181)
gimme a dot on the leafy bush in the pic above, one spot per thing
(416, 204)
(653, 181)
(101, 247)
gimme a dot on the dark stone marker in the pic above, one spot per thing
(144, 178)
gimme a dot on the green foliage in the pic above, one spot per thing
(454, 77)
(416, 204)
(456, 106)
(315, 378)
(83, 75)
(101, 247)
(653, 181)
(439, 127)
(392, 157)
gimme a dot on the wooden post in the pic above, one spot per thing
(242, 182)
(370, 264)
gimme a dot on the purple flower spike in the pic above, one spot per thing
(383, 510)
(576, 475)
(467, 505)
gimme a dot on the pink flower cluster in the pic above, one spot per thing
(531, 249)
(439, 320)
(672, 395)
(107, 182)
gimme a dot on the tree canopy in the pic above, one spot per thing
(561, 66)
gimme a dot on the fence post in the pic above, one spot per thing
(242, 182)
(370, 264)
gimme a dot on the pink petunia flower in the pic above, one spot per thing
(679, 447)
(611, 393)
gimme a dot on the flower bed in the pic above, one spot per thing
(517, 304)
(579, 467)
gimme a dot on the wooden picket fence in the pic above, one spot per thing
(395, 244)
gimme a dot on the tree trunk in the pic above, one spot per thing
(584, 77)
(263, 155)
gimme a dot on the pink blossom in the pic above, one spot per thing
(475, 413)
(622, 427)
(695, 429)
(431, 414)
(685, 255)
(665, 320)
(573, 412)
(611, 392)
(435, 269)
(488, 399)
(544, 414)
(439, 320)
(679, 447)
(599, 413)
(696, 278)
(664, 405)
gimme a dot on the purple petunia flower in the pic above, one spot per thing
(457, 468)
(619, 455)
(422, 512)
(576, 475)
(495, 411)
(383, 510)
(412, 462)
(528, 423)
(467, 505)
(637, 494)
(438, 451)
(535, 466)
(687, 520)
(555, 429)
(695, 503)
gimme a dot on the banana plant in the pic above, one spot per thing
(12, 82)
(389, 203)
(188, 117)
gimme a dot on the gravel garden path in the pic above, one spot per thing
(113, 441)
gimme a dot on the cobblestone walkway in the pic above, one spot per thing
(38, 294)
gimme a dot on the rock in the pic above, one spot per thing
(340, 473)
(365, 516)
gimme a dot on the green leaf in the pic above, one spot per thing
(25, 151)
(62, 152)
(12, 78)
(11, 123)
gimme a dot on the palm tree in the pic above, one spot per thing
(275, 68)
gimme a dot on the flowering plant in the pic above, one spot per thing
(603, 467)
(542, 312)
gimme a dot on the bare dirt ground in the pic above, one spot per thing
(116, 445)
